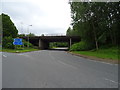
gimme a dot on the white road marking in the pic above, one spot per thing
(112, 81)
(4, 55)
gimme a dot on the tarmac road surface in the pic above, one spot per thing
(56, 69)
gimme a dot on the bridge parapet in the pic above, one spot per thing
(56, 34)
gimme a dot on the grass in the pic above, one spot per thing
(53, 47)
(104, 53)
(19, 50)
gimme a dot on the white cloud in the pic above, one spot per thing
(46, 16)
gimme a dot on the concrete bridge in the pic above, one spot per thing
(43, 41)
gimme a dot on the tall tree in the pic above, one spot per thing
(0, 29)
(68, 33)
(9, 28)
(96, 22)
(30, 34)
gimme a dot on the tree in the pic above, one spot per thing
(8, 42)
(9, 31)
(68, 33)
(95, 22)
(42, 34)
(31, 35)
(9, 28)
(21, 35)
(0, 29)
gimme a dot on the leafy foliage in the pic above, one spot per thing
(10, 32)
(80, 46)
(30, 35)
(96, 23)
(21, 35)
(58, 44)
(26, 43)
(9, 28)
(8, 42)
(0, 30)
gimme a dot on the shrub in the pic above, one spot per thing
(26, 43)
(81, 46)
(58, 44)
(8, 42)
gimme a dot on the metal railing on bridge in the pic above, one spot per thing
(54, 35)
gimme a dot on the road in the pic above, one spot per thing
(56, 69)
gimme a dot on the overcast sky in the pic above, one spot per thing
(45, 16)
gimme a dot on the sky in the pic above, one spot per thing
(46, 16)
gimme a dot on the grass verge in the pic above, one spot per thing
(104, 53)
(19, 50)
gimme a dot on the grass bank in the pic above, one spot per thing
(19, 50)
(104, 53)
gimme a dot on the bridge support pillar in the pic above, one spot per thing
(40, 44)
(69, 43)
(43, 44)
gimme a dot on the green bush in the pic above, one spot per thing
(8, 42)
(58, 44)
(26, 43)
(81, 46)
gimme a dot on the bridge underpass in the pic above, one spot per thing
(43, 41)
